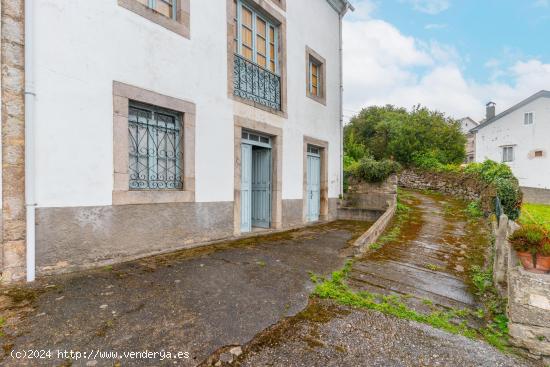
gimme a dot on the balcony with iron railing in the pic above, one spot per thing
(256, 83)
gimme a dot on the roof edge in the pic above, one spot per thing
(540, 94)
(341, 6)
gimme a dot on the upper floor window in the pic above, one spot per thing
(155, 148)
(528, 118)
(314, 78)
(167, 8)
(256, 37)
(508, 154)
(316, 74)
(173, 15)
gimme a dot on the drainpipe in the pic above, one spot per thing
(30, 96)
(347, 7)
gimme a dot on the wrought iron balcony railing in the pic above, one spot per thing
(251, 81)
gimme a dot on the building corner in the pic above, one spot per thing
(12, 46)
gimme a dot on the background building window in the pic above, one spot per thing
(508, 154)
(155, 151)
(528, 118)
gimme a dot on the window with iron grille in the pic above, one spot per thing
(155, 148)
(167, 8)
(256, 61)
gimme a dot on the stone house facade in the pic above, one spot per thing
(136, 127)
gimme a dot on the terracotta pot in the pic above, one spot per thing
(526, 260)
(543, 262)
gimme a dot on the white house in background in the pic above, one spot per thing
(160, 125)
(467, 124)
(520, 137)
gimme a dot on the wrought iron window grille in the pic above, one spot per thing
(155, 151)
(254, 82)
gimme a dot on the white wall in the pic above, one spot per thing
(510, 130)
(82, 46)
(466, 124)
(315, 24)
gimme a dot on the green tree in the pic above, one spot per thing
(394, 133)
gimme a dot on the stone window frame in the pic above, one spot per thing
(181, 25)
(276, 135)
(324, 207)
(272, 14)
(122, 195)
(311, 55)
(281, 4)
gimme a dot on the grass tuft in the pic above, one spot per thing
(336, 289)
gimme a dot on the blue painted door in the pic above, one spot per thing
(261, 187)
(246, 187)
(313, 187)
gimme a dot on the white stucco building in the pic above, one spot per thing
(519, 136)
(466, 125)
(162, 124)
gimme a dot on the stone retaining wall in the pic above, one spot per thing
(528, 296)
(536, 195)
(375, 231)
(367, 201)
(373, 202)
(456, 184)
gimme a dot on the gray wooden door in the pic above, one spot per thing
(246, 187)
(313, 187)
(261, 187)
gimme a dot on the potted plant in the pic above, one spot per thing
(543, 258)
(532, 244)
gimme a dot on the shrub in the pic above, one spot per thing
(489, 170)
(506, 184)
(370, 170)
(510, 196)
(429, 162)
(529, 238)
(474, 209)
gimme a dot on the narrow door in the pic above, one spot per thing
(246, 187)
(261, 187)
(313, 187)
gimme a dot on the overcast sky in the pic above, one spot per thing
(449, 55)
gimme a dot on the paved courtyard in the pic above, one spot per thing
(425, 266)
(193, 301)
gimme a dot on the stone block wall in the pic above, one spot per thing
(528, 296)
(459, 185)
(367, 201)
(536, 195)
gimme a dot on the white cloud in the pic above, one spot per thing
(430, 6)
(382, 65)
(542, 3)
(435, 26)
